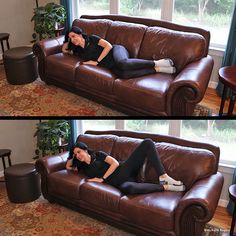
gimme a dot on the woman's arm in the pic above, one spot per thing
(106, 49)
(113, 165)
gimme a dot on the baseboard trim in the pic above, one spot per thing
(212, 84)
(223, 203)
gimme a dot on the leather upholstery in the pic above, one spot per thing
(157, 94)
(161, 213)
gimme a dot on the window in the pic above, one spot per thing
(98, 125)
(213, 15)
(153, 126)
(221, 133)
(148, 8)
(94, 7)
(217, 132)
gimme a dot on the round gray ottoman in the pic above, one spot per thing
(20, 65)
(22, 183)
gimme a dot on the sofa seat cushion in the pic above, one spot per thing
(65, 184)
(149, 92)
(101, 195)
(62, 67)
(95, 77)
(157, 210)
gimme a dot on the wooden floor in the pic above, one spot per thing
(212, 100)
(222, 219)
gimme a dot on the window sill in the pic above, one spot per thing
(215, 51)
(226, 168)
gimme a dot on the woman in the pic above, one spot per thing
(99, 52)
(100, 167)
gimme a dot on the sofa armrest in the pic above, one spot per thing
(198, 205)
(47, 165)
(189, 87)
(45, 48)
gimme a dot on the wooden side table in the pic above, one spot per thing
(227, 75)
(232, 195)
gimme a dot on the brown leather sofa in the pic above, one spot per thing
(160, 213)
(157, 94)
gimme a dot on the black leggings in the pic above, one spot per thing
(126, 67)
(130, 168)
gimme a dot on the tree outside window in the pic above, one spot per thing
(144, 8)
(217, 132)
(94, 7)
(213, 15)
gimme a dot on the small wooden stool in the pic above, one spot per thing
(232, 195)
(62, 147)
(5, 153)
(227, 75)
(4, 36)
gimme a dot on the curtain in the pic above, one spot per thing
(68, 6)
(230, 52)
(230, 206)
(73, 133)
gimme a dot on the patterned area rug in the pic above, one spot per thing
(39, 99)
(42, 218)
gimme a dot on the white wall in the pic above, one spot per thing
(17, 135)
(15, 18)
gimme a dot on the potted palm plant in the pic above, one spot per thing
(50, 135)
(47, 19)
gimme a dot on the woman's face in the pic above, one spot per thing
(80, 154)
(76, 39)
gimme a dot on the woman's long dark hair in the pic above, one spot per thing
(76, 30)
(82, 146)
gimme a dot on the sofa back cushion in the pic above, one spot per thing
(181, 47)
(183, 163)
(124, 146)
(98, 142)
(180, 162)
(129, 35)
(97, 27)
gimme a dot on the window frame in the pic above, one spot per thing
(174, 129)
(167, 9)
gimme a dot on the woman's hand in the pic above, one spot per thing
(93, 63)
(99, 180)
(65, 48)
